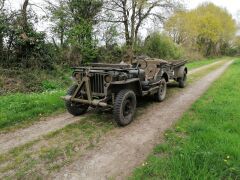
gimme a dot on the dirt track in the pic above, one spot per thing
(11, 140)
(129, 146)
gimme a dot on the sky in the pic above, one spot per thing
(233, 6)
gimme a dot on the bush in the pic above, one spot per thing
(111, 54)
(161, 46)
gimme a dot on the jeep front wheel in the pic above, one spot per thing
(162, 91)
(124, 107)
(75, 108)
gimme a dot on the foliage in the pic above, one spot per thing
(205, 143)
(29, 80)
(21, 45)
(73, 24)
(207, 29)
(110, 54)
(161, 46)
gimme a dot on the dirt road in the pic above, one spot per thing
(129, 146)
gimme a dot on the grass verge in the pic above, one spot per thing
(204, 144)
(19, 109)
(197, 64)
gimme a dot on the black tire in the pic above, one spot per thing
(161, 94)
(74, 108)
(124, 107)
(183, 80)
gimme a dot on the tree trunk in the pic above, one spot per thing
(24, 15)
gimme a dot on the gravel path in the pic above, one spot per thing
(128, 147)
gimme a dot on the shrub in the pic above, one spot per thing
(161, 46)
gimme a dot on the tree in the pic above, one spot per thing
(2, 27)
(133, 13)
(59, 16)
(21, 45)
(110, 36)
(73, 24)
(208, 28)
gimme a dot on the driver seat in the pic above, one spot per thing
(151, 73)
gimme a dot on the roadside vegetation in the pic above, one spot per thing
(19, 109)
(204, 144)
(195, 64)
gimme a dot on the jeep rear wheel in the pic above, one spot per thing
(75, 108)
(124, 107)
(162, 91)
(183, 80)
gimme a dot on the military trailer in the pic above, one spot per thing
(116, 86)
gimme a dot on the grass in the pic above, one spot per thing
(17, 109)
(204, 144)
(38, 159)
(196, 64)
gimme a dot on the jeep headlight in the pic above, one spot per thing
(108, 78)
(77, 76)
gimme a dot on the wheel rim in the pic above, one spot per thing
(162, 88)
(128, 108)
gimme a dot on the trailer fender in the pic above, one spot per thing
(180, 71)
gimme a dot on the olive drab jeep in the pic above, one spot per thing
(116, 86)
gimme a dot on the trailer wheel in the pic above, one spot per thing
(124, 107)
(183, 80)
(161, 94)
(74, 108)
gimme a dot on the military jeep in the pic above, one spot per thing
(116, 86)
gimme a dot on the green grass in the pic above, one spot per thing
(199, 63)
(204, 144)
(19, 108)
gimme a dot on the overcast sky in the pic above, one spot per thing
(233, 6)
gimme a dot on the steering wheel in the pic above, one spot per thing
(145, 61)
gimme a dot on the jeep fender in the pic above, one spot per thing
(133, 84)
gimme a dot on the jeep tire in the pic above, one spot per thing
(182, 81)
(75, 108)
(162, 91)
(124, 107)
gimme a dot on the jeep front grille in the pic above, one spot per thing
(97, 83)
